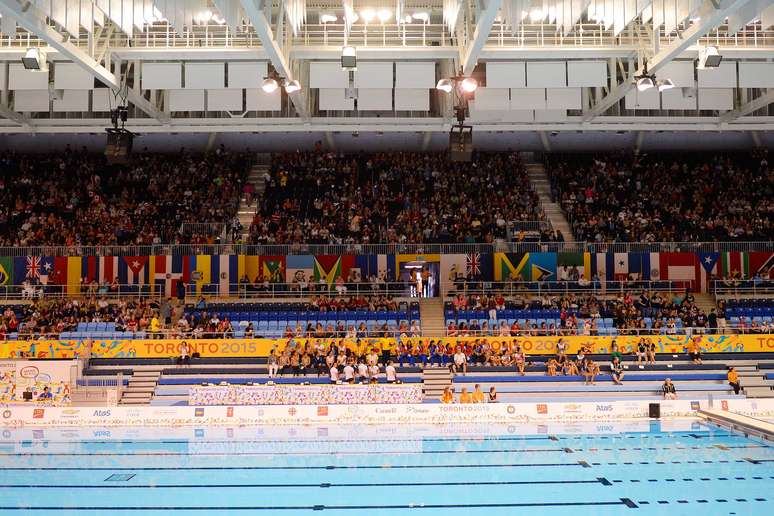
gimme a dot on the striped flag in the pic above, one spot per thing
(169, 270)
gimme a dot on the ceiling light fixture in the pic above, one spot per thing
(444, 85)
(292, 86)
(328, 18)
(270, 85)
(666, 84)
(422, 16)
(384, 15)
(469, 85)
(367, 15)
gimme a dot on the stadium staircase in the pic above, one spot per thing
(432, 317)
(756, 381)
(247, 211)
(142, 385)
(539, 181)
(434, 381)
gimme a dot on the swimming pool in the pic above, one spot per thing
(638, 467)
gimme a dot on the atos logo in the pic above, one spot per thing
(604, 408)
(101, 413)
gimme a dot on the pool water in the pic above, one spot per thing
(681, 467)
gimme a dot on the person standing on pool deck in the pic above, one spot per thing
(733, 380)
(478, 395)
(670, 393)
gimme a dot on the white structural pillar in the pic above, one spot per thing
(711, 14)
(754, 105)
(34, 21)
(271, 47)
(486, 18)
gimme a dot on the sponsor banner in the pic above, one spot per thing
(101, 348)
(454, 417)
(18, 376)
(320, 395)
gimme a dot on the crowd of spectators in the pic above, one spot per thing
(645, 198)
(75, 198)
(650, 312)
(326, 197)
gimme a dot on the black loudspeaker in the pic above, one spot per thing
(27, 396)
(461, 144)
(654, 410)
(119, 146)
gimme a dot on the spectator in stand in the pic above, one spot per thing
(645, 198)
(74, 198)
(325, 197)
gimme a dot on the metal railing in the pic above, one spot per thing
(387, 248)
(743, 288)
(268, 290)
(622, 332)
(537, 288)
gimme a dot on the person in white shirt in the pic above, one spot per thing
(349, 373)
(273, 364)
(460, 362)
(334, 374)
(373, 373)
(389, 370)
(362, 371)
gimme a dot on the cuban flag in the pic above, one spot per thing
(133, 270)
(169, 271)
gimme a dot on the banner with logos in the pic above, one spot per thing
(421, 414)
(533, 345)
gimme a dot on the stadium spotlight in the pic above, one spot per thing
(270, 85)
(367, 15)
(666, 84)
(423, 16)
(292, 86)
(384, 15)
(444, 85)
(645, 81)
(328, 18)
(469, 85)
(536, 15)
(35, 60)
(709, 57)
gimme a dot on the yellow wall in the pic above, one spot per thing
(260, 347)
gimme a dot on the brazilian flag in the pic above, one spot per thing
(6, 270)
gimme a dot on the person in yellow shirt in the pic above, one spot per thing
(447, 396)
(478, 395)
(733, 380)
(465, 396)
(155, 326)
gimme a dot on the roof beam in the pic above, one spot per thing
(754, 105)
(10, 114)
(712, 14)
(34, 21)
(484, 24)
(274, 52)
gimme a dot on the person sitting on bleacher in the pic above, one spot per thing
(460, 362)
(668, 390)
(590, 370)
(616, 371)
(694, 351)
(185, 354)
(447, 396)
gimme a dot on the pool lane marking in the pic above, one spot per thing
(263, 454)
(326, 485)
(278, 441)
(621, 501)
(276, 468)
